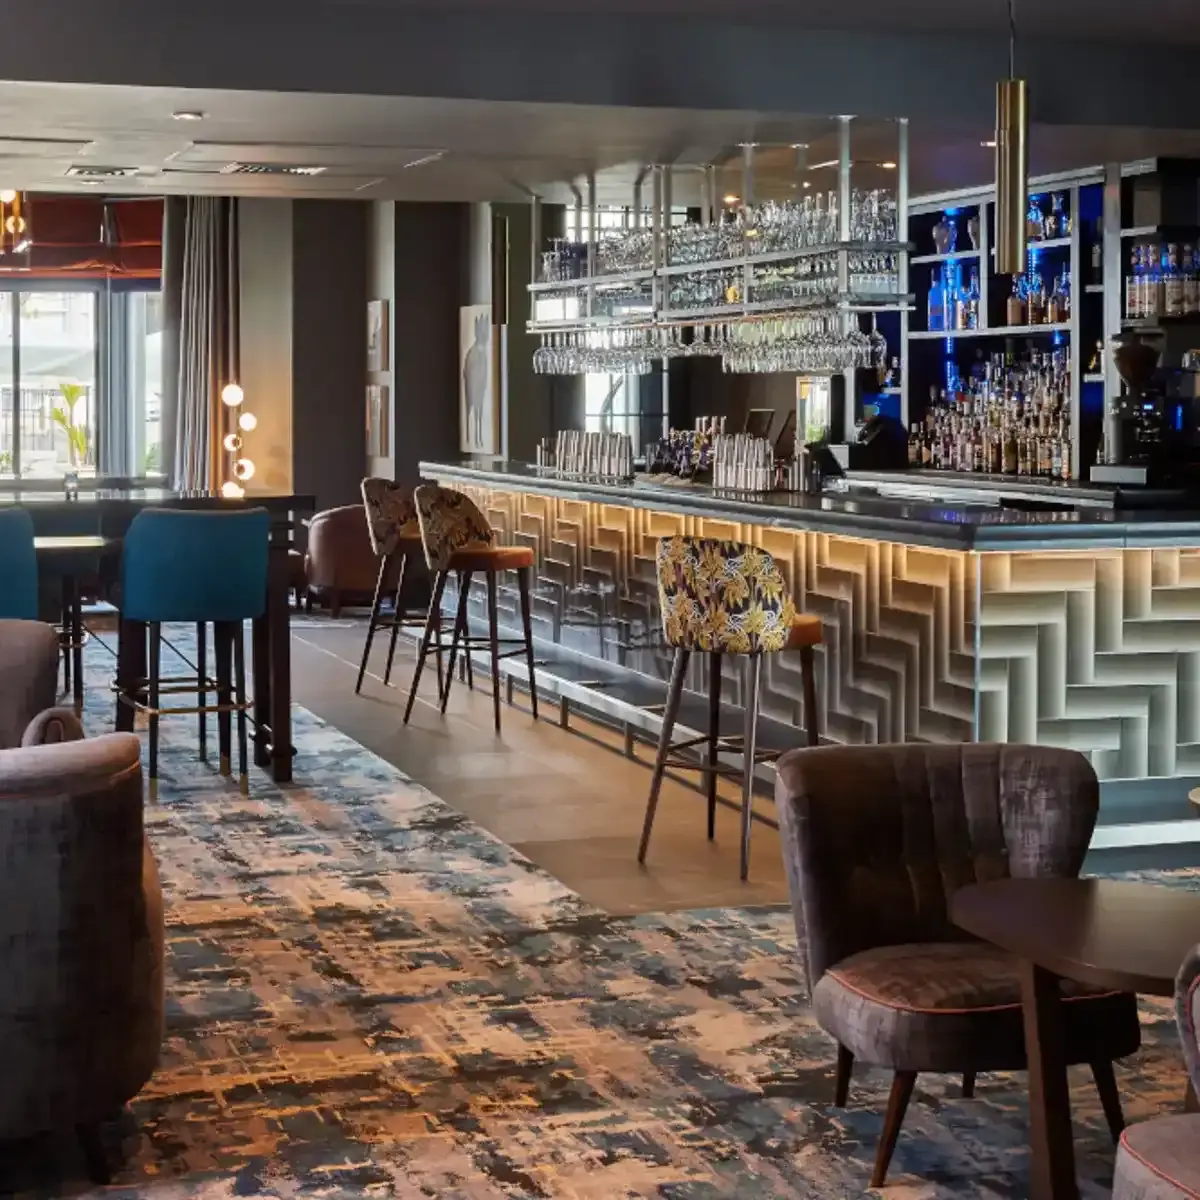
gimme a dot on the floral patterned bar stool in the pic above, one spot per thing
(723, 598)
(395, 537)
(457, 537)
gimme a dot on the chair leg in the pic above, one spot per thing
(64, 639)
(335, 603)
(494, 646)
(202, 687)
(809, 672)
(1110, 1098)
(94, 1154)
(670, 714)
(397, 617)
(527, 624)
(461, 633)
(77, 642)
(222, 653)
(154, 671)
(431, 626)
(376, 604)
(902, 1090)
(968, 1090)
(841, 1086)
(714, 732)
(239, 684)
(749, 745)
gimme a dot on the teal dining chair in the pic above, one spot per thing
(196, 568)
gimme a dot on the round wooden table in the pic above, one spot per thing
(1131, 937)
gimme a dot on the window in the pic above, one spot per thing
(80, 379)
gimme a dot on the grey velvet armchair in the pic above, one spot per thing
(1160, 1159)
(876, 839)
(81, 922)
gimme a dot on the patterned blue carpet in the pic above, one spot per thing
(369, 996)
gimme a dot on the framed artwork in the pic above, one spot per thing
(377, 335)
(378, 420)
(480, 376)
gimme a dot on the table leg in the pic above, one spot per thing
(1190, 1103)
(1052, 1152)
(260, 656)
(131, 669)
(279, 622)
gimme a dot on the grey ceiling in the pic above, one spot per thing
(488, 151)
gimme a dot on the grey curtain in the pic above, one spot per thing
(200, 334)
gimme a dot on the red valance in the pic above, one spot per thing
(82, 237)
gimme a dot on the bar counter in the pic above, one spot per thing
(944, 619)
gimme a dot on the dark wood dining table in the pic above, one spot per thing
(1128, 936)
(95, 521)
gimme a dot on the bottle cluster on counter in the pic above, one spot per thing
(1163, 281)
(1005, 418)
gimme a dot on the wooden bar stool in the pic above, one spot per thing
(457, 537)
(395, 537)
(723, 598)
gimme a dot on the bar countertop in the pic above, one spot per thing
(947, 524)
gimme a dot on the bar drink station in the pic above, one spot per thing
(994, 509)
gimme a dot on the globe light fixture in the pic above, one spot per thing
(244, 469)
(232, 491)
(247, 422)
(232, 395)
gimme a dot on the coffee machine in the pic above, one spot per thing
(1156, 428)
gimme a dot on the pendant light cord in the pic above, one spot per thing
(1012, 39)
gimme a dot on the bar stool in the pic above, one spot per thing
(18, 566)
(456, 537)
(196, 568)
(723, 598)
(395, 537)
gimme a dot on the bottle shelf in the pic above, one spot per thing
(1094, 289)
(1093, 377)
(991, 332)
(1045, 244)
(952, 256)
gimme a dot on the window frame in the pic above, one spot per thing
(111, 363)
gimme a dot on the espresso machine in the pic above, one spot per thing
(1155, 430)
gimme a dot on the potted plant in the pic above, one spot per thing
(63, 415)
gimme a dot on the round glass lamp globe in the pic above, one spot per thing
(247, 422)
(232, 395)
(232, 443)
(7, 196)
(232, 491)
(244, 469)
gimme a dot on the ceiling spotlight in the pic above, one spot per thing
(888, 166)
(799, 145)
(732, 199)
(187, 114)
(807, 184)
(830, 162)
(990, 144)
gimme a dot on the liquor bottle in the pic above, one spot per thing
(1011, 459)
(1191, 280)
(914, 446)
(1172, 282)
(957, 300)
(1064, 294)
(1016, 312)
(1034, 222)
(1036, 302)
(1057, 224)
(1056, 305)
(937, 303)
(1133, 286)
(1096, 272)
(973, 299)
(1152, 282)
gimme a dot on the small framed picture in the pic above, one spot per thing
(377, 335)
(378, 439)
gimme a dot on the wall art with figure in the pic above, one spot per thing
(481, 350)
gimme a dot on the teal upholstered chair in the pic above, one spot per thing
(18, 567)
(197, 568)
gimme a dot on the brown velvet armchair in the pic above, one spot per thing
(81, 920)
(876, 839)
(340, 564)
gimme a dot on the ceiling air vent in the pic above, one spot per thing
(238, 168)
(102, 172)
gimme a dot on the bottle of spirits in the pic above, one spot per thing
(1152, 282)
(1056, 304)
(957, 298)
(1034, 222)
(1015, 312)
(1172, 278)
(914, 446)
(1096, 270)
(1010, 457)
(1133, 286)
(1056, 223)
(1036, 302)
(973, 300)
(1191, 281)
(936, 302)
(1064, 294)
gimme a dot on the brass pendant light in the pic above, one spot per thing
(14, 223)
(1012, 162)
